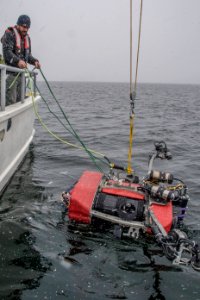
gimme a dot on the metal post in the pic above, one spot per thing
(3, 88)
(22, 87)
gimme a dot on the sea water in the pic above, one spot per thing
(41, 257)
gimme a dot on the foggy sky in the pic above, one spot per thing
(89, 40)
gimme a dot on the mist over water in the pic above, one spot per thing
(41, 257)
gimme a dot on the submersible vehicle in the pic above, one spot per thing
(154, 206)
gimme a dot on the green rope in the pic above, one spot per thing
(53, 112)
(72, 131)
(75, 133)
(14, 81)
(60, 121)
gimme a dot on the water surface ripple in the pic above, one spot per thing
(41, 257)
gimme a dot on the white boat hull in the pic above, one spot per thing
(16, 134)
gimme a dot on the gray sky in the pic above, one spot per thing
(89, 40)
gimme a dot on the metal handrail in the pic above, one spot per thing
(3, 72)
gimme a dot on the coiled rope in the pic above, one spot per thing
(133, 90)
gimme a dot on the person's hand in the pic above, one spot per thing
(37, 64)
(22, 64)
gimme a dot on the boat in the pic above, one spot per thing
(16, 126)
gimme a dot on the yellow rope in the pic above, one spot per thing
(129, 168)
(179, 186)
(55, 135)
(132, 95)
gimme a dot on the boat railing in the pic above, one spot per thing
(4, 69)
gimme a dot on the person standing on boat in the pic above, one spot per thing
(17, 53)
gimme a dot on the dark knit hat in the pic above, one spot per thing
(24, 20)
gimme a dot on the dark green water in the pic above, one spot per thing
(40, 256)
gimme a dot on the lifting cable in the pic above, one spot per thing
(72, 131)
(133, 90)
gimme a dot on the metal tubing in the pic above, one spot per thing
(3, 70)
(22, 87)
(3, 88)
(151, 162)
(117, 220)
(11, 69)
